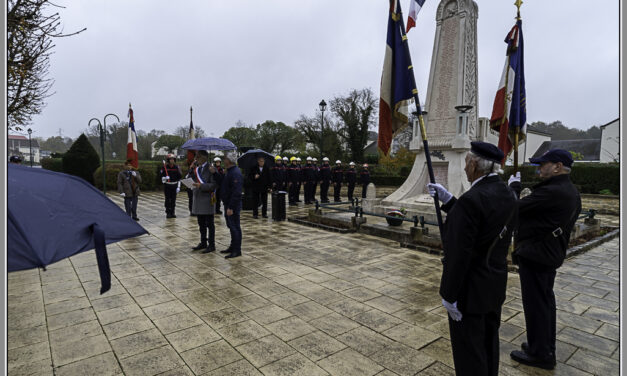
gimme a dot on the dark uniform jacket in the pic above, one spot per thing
(309, 173)
(263, 182)
(292, 174)
(472, 223)
(325, 173)
(218, 176)
(338, 174)
(231, 189)
(351, 176)
(173, 172)
(278, 175)
(553, 203)
(364, 177)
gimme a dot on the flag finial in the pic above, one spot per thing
(518, 3)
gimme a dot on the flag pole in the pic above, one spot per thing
(421, 121)
(518, 3)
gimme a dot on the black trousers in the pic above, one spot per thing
(314, 185)
(218, 201)
(536, 287)
(260, 198)
(337, 188)
(170, 197)
(364, 189)
(475, 343)
(298, 191)
(351, 189)
(130, 204)
(205, 222)
(308, 195)
(324, 191)
(293, 193)
(190, 195)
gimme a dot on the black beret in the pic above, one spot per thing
(486, 151)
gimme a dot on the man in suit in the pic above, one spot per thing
(476, 237)
(232, 198)
(128, 187)
(546, 219)
(259, 176)
(203, 205)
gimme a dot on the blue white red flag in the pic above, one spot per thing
(509, 113)
(131, 144)
(398, 86)
(414, 9)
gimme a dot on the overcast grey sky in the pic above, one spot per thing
(276, 59)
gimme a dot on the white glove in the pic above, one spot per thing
(514, 178)
(444, 195)
(133, 173)
(164, 179)
(123, 194)
(178, 189)
(452, 310)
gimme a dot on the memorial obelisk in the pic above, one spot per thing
(451, 109)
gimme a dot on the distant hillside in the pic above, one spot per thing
(559, 131)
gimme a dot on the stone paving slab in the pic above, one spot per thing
(300, 301)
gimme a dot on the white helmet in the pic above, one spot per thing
(338, 161)
(325, 159)
(298, 159)
(314, 159)
(309, 158)
(351, 164)
(216, 159)
(286, 159)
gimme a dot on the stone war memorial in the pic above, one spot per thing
(323, 289)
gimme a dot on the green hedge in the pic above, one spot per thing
(52, 164)
(587, 177)
(390, 180)
(149, 171)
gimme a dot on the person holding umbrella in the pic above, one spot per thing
(203, 205)
(260, 178)
(128, 187)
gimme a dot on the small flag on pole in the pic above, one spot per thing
(414, 9)
(509, 113)
(397, 83)
(190, 153)
(131, 145)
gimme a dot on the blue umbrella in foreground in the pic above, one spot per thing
(209, 143)
(52, 216)
(249, 159)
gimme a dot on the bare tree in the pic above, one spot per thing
(30, 32)
(183, 132)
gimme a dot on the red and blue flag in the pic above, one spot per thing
(131, 144)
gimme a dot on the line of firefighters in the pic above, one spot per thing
(289, 175)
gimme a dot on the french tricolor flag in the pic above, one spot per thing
(509, 113)
(414, 8)
(131, 145)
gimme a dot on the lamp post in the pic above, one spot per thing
(30, 146)
(323, 106)
(103, 134)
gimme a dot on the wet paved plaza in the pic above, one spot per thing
(300, 301)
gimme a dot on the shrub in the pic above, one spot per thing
(81, 159)
(372, 159)
(149, 171)
(587, 177)
(52, 164)
(605, 192)
(391, 180)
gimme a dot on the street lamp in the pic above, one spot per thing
(323, 106)
(30, 146)
(103, 134)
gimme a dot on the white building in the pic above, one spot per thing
(162, 151)
(19, 145)
(610, 142)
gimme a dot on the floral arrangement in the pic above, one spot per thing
(400, 213)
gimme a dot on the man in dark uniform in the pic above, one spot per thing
(316, 168)
(476, 238)
(170, 177)
(309, 178)
(276, 174)
(259, 176)
(546, 219)
(351, 179)
(364, 180)
(218, 176)
(232, 197)
(338, 176)
(325, 180)
(190, 193)
(300, 178)
(292, 181)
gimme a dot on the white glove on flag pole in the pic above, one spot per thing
(414, 8)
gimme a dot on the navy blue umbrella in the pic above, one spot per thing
(52, 216)
(249, 159)
(209, 143)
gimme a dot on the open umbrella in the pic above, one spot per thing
(209, 143)
(249, 159)
(52, 216)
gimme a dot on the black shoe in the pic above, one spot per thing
(264, 216)
(255, 216)
(233, 255)
(135, 218)
(200, 246)
(228, 250)
(168, 215)
(530, 360)
(173, 216)
(211, 248)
